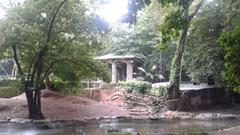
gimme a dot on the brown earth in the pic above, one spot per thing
(56, 106)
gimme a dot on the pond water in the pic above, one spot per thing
(144, 128)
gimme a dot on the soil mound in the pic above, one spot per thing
(51, 94)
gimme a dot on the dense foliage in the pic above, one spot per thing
(176, 25)
(136, 86)
(143, 40)
(230, 41)
(60, 41)
(72, 46)
(157, 31)
(204, 56)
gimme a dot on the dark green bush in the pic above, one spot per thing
(57, 84)
(9, 88)
(136, 86)
(65, 86)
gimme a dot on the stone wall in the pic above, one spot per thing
(205, 98)
(198, 99)
(97, 94)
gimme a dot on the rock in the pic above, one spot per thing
(139, 104)
(206, 103)
(204, 116)
(113, 130)
(153, 104)
(114, 97)
(196, 102)
(8, 118)
(184, 103)
(172, 104)
(20, 120)
(124, 131)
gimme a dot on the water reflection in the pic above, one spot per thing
(156, 128)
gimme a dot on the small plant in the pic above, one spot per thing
(68, 87)
(136, 86)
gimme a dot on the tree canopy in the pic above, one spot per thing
(204, 55)
(54, 38)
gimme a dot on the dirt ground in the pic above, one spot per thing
(56, 106)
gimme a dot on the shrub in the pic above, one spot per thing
(65, 86)
(136, 86)
(9, 88)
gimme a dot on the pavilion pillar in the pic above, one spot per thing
(129, 70)
(114, 72)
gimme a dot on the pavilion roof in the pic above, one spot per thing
(114, 57)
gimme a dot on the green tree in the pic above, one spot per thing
(143, 40)
(231, 44)
(229, 40)
(204, 56)
(50, 37)
(178, 20)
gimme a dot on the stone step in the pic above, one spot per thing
(132, 103)
(139, 113)
(138, 110)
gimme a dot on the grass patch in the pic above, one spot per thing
(192, 131)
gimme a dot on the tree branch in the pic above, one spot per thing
(39, 58)
(47, 72)
(30, 68)
(53, 19)
(15, 56)
(196, 10)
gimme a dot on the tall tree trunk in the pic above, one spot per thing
(33, 83)
(34, 107)
(33, 96)
(174, 91)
